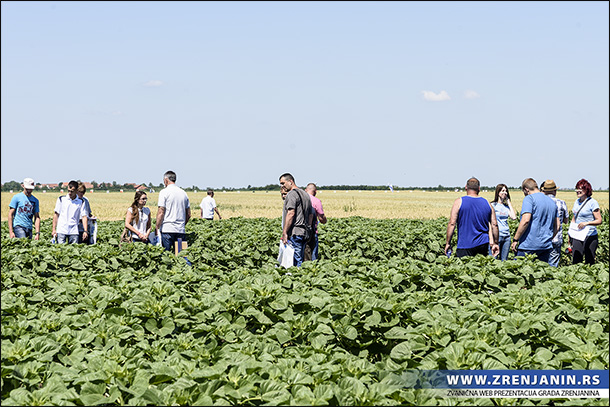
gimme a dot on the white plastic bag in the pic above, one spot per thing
(286, 255)
(158, 238)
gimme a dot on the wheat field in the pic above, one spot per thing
(338, 204)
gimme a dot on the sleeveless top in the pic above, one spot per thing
(473, 222)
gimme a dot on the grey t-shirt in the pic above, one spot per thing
(298, 200)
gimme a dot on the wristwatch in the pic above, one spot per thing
(515, 239)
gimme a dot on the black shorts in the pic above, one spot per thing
(473, 251)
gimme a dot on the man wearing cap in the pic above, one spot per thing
(549, 188)
(23, 208)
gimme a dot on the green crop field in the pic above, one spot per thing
(135, 325)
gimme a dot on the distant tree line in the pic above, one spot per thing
(116, 187)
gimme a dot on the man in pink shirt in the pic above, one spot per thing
(311, 249)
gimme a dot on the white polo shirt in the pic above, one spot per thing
(70, 212)
(207, 205)
(176, 202)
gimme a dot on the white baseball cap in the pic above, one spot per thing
(28, 183)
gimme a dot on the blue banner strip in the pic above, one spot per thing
(506, 379)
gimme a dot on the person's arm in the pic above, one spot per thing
(322, 218)
(188, 215)
(160, 217)
(201, 215)
(85, 220)
(595, 222)
(495, 233)
(130, 227)
(37, 226)
(11, 216)
(311, 217)
(511, 211)
(455, 209)
(218, 213)
(523, 225)
(148, 227)
(320, 214)
(55, 218)
(287, 224)
(556, 226)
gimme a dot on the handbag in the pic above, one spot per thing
(126, 236)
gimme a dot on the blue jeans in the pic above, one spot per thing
(61, 238)
(298, 243)
(543, 255)
(20, 231)
(555, 254)
(168, 240)
(314, 253)
(152, 239)
(504, 243)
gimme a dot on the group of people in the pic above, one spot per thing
(301, 213)
(72, 218)
(483, 226)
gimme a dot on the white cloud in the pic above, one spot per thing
(433, 97)
(153, 84)
(471, 94)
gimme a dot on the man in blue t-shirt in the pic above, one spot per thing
(24, 208)
(538, 225)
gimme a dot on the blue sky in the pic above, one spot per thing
(237, 93)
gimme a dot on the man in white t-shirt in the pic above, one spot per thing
(69, 211)
(208, 206)
(173, 213)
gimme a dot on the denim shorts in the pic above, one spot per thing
(21, 232)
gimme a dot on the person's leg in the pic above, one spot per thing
(555, 255)
(72, 239)
(61, 238)
(298, 243)
(307, 251)
(314, 254)
(166, 241)
(22, 232)
(482, 249)
(591, 243)
(544, 255)
(504, 247)
(578, 249)
(521, 253)
(462, 252)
